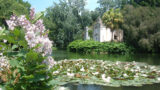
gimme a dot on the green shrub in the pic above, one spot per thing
(90, 46)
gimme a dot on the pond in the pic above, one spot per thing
(152, 59)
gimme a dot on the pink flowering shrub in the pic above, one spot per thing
(28, 49)
(35, 34)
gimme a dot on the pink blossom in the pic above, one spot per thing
(35, 34)
(11, 24)
(32, 13)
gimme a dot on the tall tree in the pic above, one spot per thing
(9, 7)
(142, 28)
(152, 3)
(113, 19)
(106, 5)
(66, 21)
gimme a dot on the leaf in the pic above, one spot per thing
(14, 63)
(38, 16)
(14, 47)
(28, 77)
(31, 56)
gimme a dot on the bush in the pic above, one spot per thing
(25, 61)
(90, 46)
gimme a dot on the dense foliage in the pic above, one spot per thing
(113, 19)
(90, 46)
(9, 7)
(25, 54)
(67, 21)
(142, 28)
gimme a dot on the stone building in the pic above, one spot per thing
(103, 34)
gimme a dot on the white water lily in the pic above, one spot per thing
(91, 68)
(0, 28)
(68, 70)
(136, 76)
(144, 75)
(158, 78)
(63, 88)
(132, 70)
(82, 69)
(126, 68)
(1, 54)
(153, 67)
(77, 64)
(55, 72)
(96, 73)
(70, 74)
(108, 79)
(4, 41)
(61, 67)
(117, 63)
(125, 75)
(137, 67)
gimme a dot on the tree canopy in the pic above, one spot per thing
(9, 7)
(67, 21)
(142, 27)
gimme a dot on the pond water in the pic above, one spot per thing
(152, 59)
(97, 87)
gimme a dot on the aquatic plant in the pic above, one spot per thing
(105, 73)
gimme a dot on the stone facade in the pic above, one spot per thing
(103, 34)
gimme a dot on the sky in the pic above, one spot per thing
(41, 5)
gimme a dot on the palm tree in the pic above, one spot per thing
(112, 19)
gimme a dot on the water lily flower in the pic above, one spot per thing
(68, 70)
(91, 68)
(55, 72)
(117, 63)
(125, 75)
(70, 74)
(108, 79)
(158, 78)
(82, 69)
(96, 73)
(4, 40)
(126, 68)
(0, 28)
(136, 76)
(62, 88)
(144, 75)
(153, 67)
(1, 54)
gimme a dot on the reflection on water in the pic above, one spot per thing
(97, 87)
(153, 59)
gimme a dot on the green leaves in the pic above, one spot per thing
(90, 46)
(113, 18)
(38, 16)
(31, 56)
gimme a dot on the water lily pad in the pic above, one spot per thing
(106, 73)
